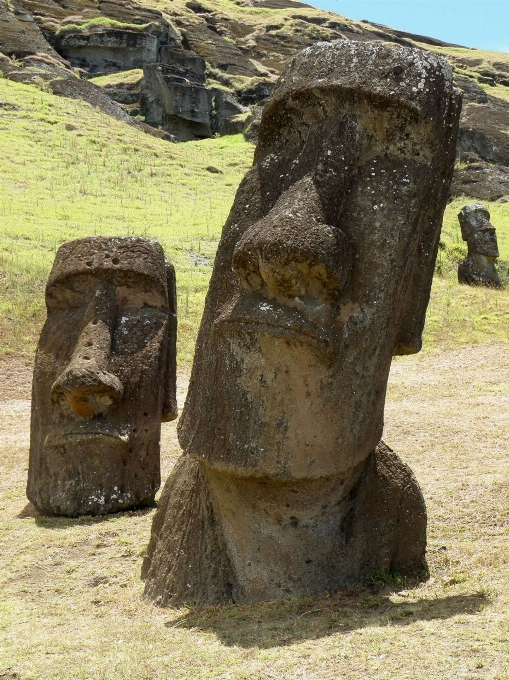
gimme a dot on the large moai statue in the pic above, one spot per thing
(323, 273)
(478, 268)
(104, 377)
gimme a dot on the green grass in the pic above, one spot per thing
(120, 78)
(71, 605)
(453, 248)
(99, 23)
(70, 171)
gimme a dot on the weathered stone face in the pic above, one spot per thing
(478, 268)
(323, 273)
(104, 377)
(332, 241)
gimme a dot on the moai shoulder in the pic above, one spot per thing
(323, 273)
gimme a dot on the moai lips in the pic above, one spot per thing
(478, 268)
(323, 273)
(104, 377)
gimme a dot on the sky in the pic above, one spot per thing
(483, 23)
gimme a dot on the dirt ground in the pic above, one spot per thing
(72, 594)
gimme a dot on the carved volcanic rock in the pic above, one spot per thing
(174, 97)
(478, 268)
(104, 377)
(323, 273)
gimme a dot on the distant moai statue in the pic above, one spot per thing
(104, 377)
(478, 268)
(323, 273)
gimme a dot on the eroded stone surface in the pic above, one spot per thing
(104, 377)
(322, 274)
(478, 268)
(174, 95)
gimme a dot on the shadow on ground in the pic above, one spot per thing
(276, 624)
(58, 522)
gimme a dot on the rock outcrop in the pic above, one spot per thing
(174, 95)
(108, 50)
(483, 146)
(20, 35)
(43, 68)
(284, 488)
(245, 51)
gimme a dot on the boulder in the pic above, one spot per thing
(285, 488)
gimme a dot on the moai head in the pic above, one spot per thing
(477, 230)
(324, 268)
(104, 377)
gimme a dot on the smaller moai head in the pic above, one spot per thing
(104, 377)
(477, 230)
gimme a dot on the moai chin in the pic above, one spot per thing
(104, 377)
(478, 268)
(323, 273)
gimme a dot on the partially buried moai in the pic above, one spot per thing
(323, 273)
(478, 268)
(104, 377)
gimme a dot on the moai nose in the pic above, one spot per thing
(86, 385)
(292, 253)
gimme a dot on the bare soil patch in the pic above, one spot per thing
(72, 602)
(15, 378)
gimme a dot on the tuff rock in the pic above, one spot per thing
(478, 268)
(104, 377)
(323, 273)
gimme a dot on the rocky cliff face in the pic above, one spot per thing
(208, 66)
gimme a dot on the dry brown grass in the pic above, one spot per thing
(72, 606)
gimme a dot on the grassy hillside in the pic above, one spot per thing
(69, 171)
(71, 603)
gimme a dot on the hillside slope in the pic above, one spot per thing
(195, 68)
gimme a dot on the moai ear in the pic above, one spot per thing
(415, 291)
(170, 410)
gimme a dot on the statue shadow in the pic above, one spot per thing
(285, 622)
(49, 521)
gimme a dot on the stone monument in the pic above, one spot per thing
(104, 377)
(478, 268)
(323, 273)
